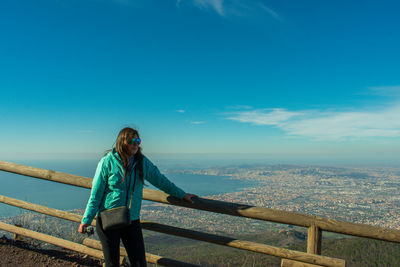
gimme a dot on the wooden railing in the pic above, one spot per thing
(315, 224)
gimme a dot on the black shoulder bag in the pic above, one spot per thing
(119, 217)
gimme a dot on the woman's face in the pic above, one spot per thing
(133, 148)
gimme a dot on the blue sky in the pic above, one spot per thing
(284, 78)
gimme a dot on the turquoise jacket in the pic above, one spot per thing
(110, 191)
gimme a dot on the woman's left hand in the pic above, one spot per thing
(188, 197)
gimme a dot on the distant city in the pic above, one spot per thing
(360, 195)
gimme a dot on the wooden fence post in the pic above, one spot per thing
(16, 237)
(314, 240)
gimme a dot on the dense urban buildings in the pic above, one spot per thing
(361, 195)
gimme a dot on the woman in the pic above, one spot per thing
(118, 173)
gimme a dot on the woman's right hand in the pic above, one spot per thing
(188, 197)
(82, 228)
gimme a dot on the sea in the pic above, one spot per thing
(67, 197)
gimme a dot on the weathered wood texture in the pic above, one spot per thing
(52, 240)
(235, 209)
(221, 240)
(50, 175)
(314, 240)
(42, 209)
(245, 245)
(149, 257)
(290, 263)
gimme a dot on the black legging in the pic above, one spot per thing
(131, 237)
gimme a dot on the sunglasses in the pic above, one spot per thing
(135, 141)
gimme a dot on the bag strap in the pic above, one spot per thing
(133, 188)
(128, 186)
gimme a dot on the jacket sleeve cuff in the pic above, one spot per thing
(181, 194)
(87, 220)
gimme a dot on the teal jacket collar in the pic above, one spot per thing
(118, 159)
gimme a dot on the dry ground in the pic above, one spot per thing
(17, 253)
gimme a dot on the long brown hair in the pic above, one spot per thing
(124, 138)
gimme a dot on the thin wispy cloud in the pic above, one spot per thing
(233, 8)
(216, 5)
(327, 125)
(180, 111)
(271, 12)
(236, 107)
(385, 90)
(197, 122)
(263, 116)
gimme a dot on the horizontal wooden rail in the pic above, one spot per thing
(278, 216)
(42, 209)
(59, 177)
(52, 240)
(77, 218)
(235, 209)
(220, 240)
(149, 257)
(245, 245)
(290, 263)
(82, 248)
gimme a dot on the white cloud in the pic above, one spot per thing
(197, 122)
(271, 12)
(327, 125)
(232, 8)
(217, 5)
(180, 111)
(274, 116)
